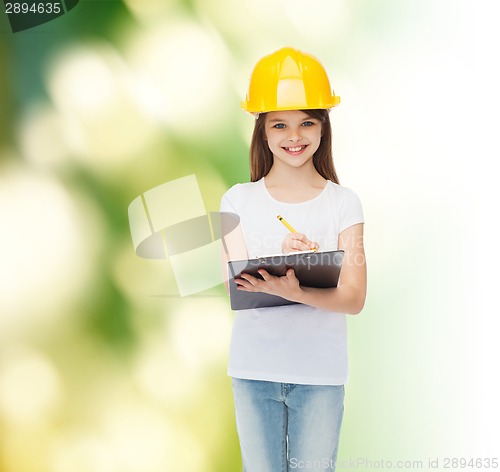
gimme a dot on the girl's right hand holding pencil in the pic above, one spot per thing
(298, 242)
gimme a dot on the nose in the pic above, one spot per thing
(294, 135)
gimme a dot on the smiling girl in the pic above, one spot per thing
(289, 363)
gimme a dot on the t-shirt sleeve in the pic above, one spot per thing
(351, 212)
(230, 200)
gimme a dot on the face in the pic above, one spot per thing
(292, 136)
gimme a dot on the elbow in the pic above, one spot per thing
(352, 298)
(356, 310)
(357, 305)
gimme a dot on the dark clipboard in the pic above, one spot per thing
(313, 269)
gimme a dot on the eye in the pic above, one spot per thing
(279, 125)
(307, 123)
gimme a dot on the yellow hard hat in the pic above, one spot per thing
(289, 79)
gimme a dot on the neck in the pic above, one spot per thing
(286, 176)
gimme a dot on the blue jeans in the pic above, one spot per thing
(286, 427)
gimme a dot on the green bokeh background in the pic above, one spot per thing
(102, 366)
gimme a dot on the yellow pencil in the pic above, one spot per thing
(290, 227)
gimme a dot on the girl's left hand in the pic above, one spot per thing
(287, 286)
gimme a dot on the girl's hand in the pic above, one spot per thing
(286, 287)
(297, 242)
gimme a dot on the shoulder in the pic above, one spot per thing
(232, 192)
(346, 204)
(239, 193)
(340, 193)
(241, 190)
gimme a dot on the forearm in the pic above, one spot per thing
(342, 299)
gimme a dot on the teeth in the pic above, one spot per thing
(295, 149)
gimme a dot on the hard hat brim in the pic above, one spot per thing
(335, 101)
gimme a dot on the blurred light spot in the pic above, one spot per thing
(41, 135)
(129, 437)
(246, 126)
(85, 80)
(46, 248)
(164, 376)
(142, 440)
(30, 388)
(150, 11)
(200, 330)
(82, 452)
(322, 19)
(180, 71)
(140, 279)
(256, 24)
(91, 87)
(171, 365)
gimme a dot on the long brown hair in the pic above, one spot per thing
(261, 157)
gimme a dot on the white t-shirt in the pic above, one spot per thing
(292, 343)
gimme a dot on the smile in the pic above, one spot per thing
(295, 149)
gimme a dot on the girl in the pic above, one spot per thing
(289, 363)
